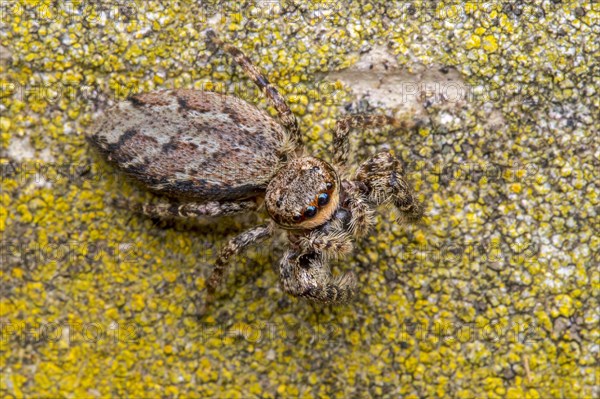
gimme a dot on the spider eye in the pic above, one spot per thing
(323, 199)
(297, 218)
(310, 211)
(329, 185)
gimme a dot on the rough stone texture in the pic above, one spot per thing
(494, 295)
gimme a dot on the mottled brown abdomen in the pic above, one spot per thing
(186, 143)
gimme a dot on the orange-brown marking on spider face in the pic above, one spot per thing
(324, 213)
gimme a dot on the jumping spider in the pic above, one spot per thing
(218, 155)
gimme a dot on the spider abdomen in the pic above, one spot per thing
(194, 144)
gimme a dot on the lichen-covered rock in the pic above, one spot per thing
(494, 295)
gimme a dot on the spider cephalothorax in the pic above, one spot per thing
(210, 154)
(303, 194)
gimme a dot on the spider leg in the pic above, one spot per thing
(361, 209)
(329, 245)
(288, 119)
(233, 247)
(167, 209)
(308, 276)
(385, 182)
(341, 134)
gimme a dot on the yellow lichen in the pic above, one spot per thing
(70, 258)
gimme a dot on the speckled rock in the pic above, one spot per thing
(494, 295)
